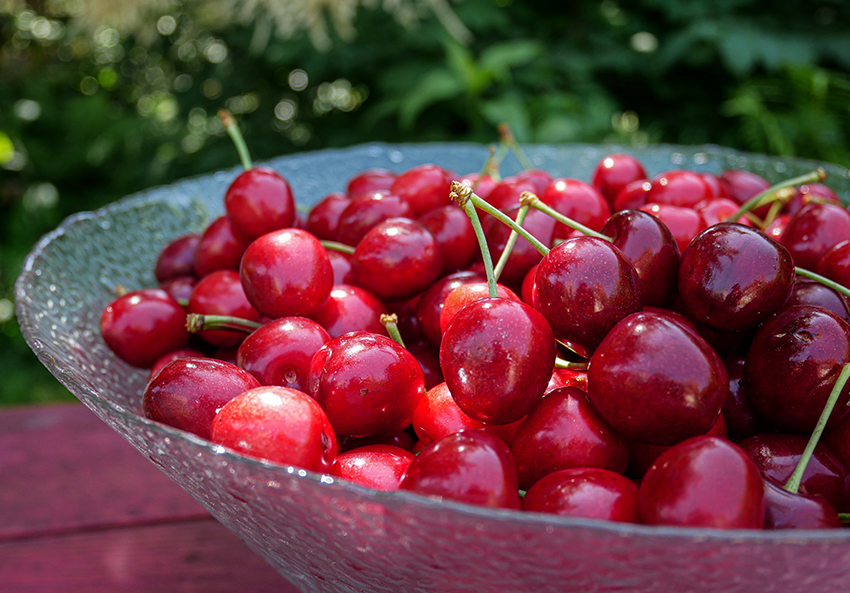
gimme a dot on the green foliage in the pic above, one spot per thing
(88, 118)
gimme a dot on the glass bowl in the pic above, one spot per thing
(327, 535)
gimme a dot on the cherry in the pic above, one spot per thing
(789, 510)
(703, 481)
(501, 333)
(351, 308)
(577, 200)
(741, 185)
(539, 178)
(679, 187)
(221, 293)
(279, 425)
(835, 263)
(171, 357)
(813, 230)
(286, 272)
(142, 326)
(564, 431)
(260, 201)
(397, 438)
(806, 291)
(366, 211)
(177, 258)
(425, 187)
(522, 256)
(592, 493)
(585, 286)
(341, 266)
(454, 235)
(366, 383)
(810, 192)
(374, 466)
(180, 288)
(430, 305)
(370, 180)
(471, 466)
(220, 248)
(718, 189)
(614, 172)
(741, 421)
(792, 363)
(506, 194)
(428, 357)
(684, 223)
(732, 277)
(279, 352)
(464, 294)
(632, 196)
(188, 392)
(482, 185)
(396, 260)
(718, 210)
(323, 220)
(654, 380)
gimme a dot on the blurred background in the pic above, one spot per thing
(101, 98)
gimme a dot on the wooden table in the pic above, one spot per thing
(81, 510)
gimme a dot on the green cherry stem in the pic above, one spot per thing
(235, 134)
(509, 246)
(195, 322)
(793, 483)
(335, 246)
(505, 219)
(840, 288)
(544, 207)
(390, 321)
(465, 198)
(818, 174)
(509, 140)
(560, 363)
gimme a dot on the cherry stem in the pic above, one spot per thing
(844, 518)
(505, 219)
(818, 174)
(509, 246)
(508, 140)
(465, 198)
(235, 134)
(547, 209)
(840, 288)
(335, 246)
(195, 322)
(490, 168)
(793, 483)
(390, 321)
(560, 363)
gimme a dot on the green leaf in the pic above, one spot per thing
(437, 85)
(500, 58)
(512, 110)
(461, 61)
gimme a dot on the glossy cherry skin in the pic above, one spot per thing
(220, 248)
(654, 380)
(577, 200)
(370, 180)
(366, 384)
(177, 258)
(323, 220)
(741, 185)
(703, 481)
(279, 352)
(718, 190)
(180, 288)
(141, 326)
(366, 211)
(591, 493)
(464, 294)
(777, 454)
(792, 364)
(811, 292)
(684, 222)
(471, 466)
(540, 178)
(260, 201)
(585, 286)
(787, 510)
(453, 232)
(188, 392)
(507, 193)
(717, 210)
(679, 187)
(351, 308)
(811, 192)
(278, 424)
(482, 185)
(497, 357)
(733, 277)
(341, 266)
(425, 187)
(523, 256)
(162, 361)
(632, 196)
(564, 431)
(813, 230)
(835, 263)
(430, 305)
(374, 466)
(285, 273)
(651, 248)
(221, 293)
(396, 260)
(614, 172)
(741, 421)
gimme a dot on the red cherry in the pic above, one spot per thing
(425, 187)
(453, 232)
(341, 266)
(577, 200)
(835, 263)
(685, 223)
(351, 308)
(180, 288)
(260, 201)
(614, 172)
(370, 180)
(539, 178)
(679, 187)
(171, 357)
(220, 248)
(741, 185)
(221, 293)
(718, 190)
(507, 193)
(142, 326)
(811, 292)
(177, 258)
(813, 230)
(374, 466)
(277, 424)
(481, 185)
(464, 294)
(323, 220)
(523, 256)
(431, 303)
(717, 210)
(285, 273)
(592, 493)
(811, 192)
(366, 211)
(188, 392)
(634, 195)
(741, 421)
(703, 481)
(787, 510)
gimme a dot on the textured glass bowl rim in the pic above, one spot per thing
(417, 503)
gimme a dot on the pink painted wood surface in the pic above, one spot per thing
(81, 510)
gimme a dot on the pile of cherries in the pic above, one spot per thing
(632, 356)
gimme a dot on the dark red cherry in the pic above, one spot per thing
(431, 303)
(564, 431)
(323, 220)
(221, 293)
(654, 380)
(684, 223)
(397, 259)
(397, 438)
(591, 493)
(811, 192)
(425, 187)
(614, 172)
(507, 193)
(142, 326)
(374, 466)
(366, 211)
(370, 180)
(260, 201)
(650, 247)
(351, 308)
(428, 357)
(366, 383)
(539, 178)
(188, 392)
(471, 466)
(220, 248)
(703, 481)
(792, 364)
(453, 232)
(341, 265)
(577, 200)
(171, 357)
(741, 421)
(632, 196)
(180, 288)
(741, 185)
(482, 185)
(835, 263)
(177, 258)
(285, 273)
(732, 277)
(813, 230)
(497, 356)
(811, 292)
(585, 286)
(679, 187)
(277, 424)
(464, 294)
(788, 510)
(279, 352)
